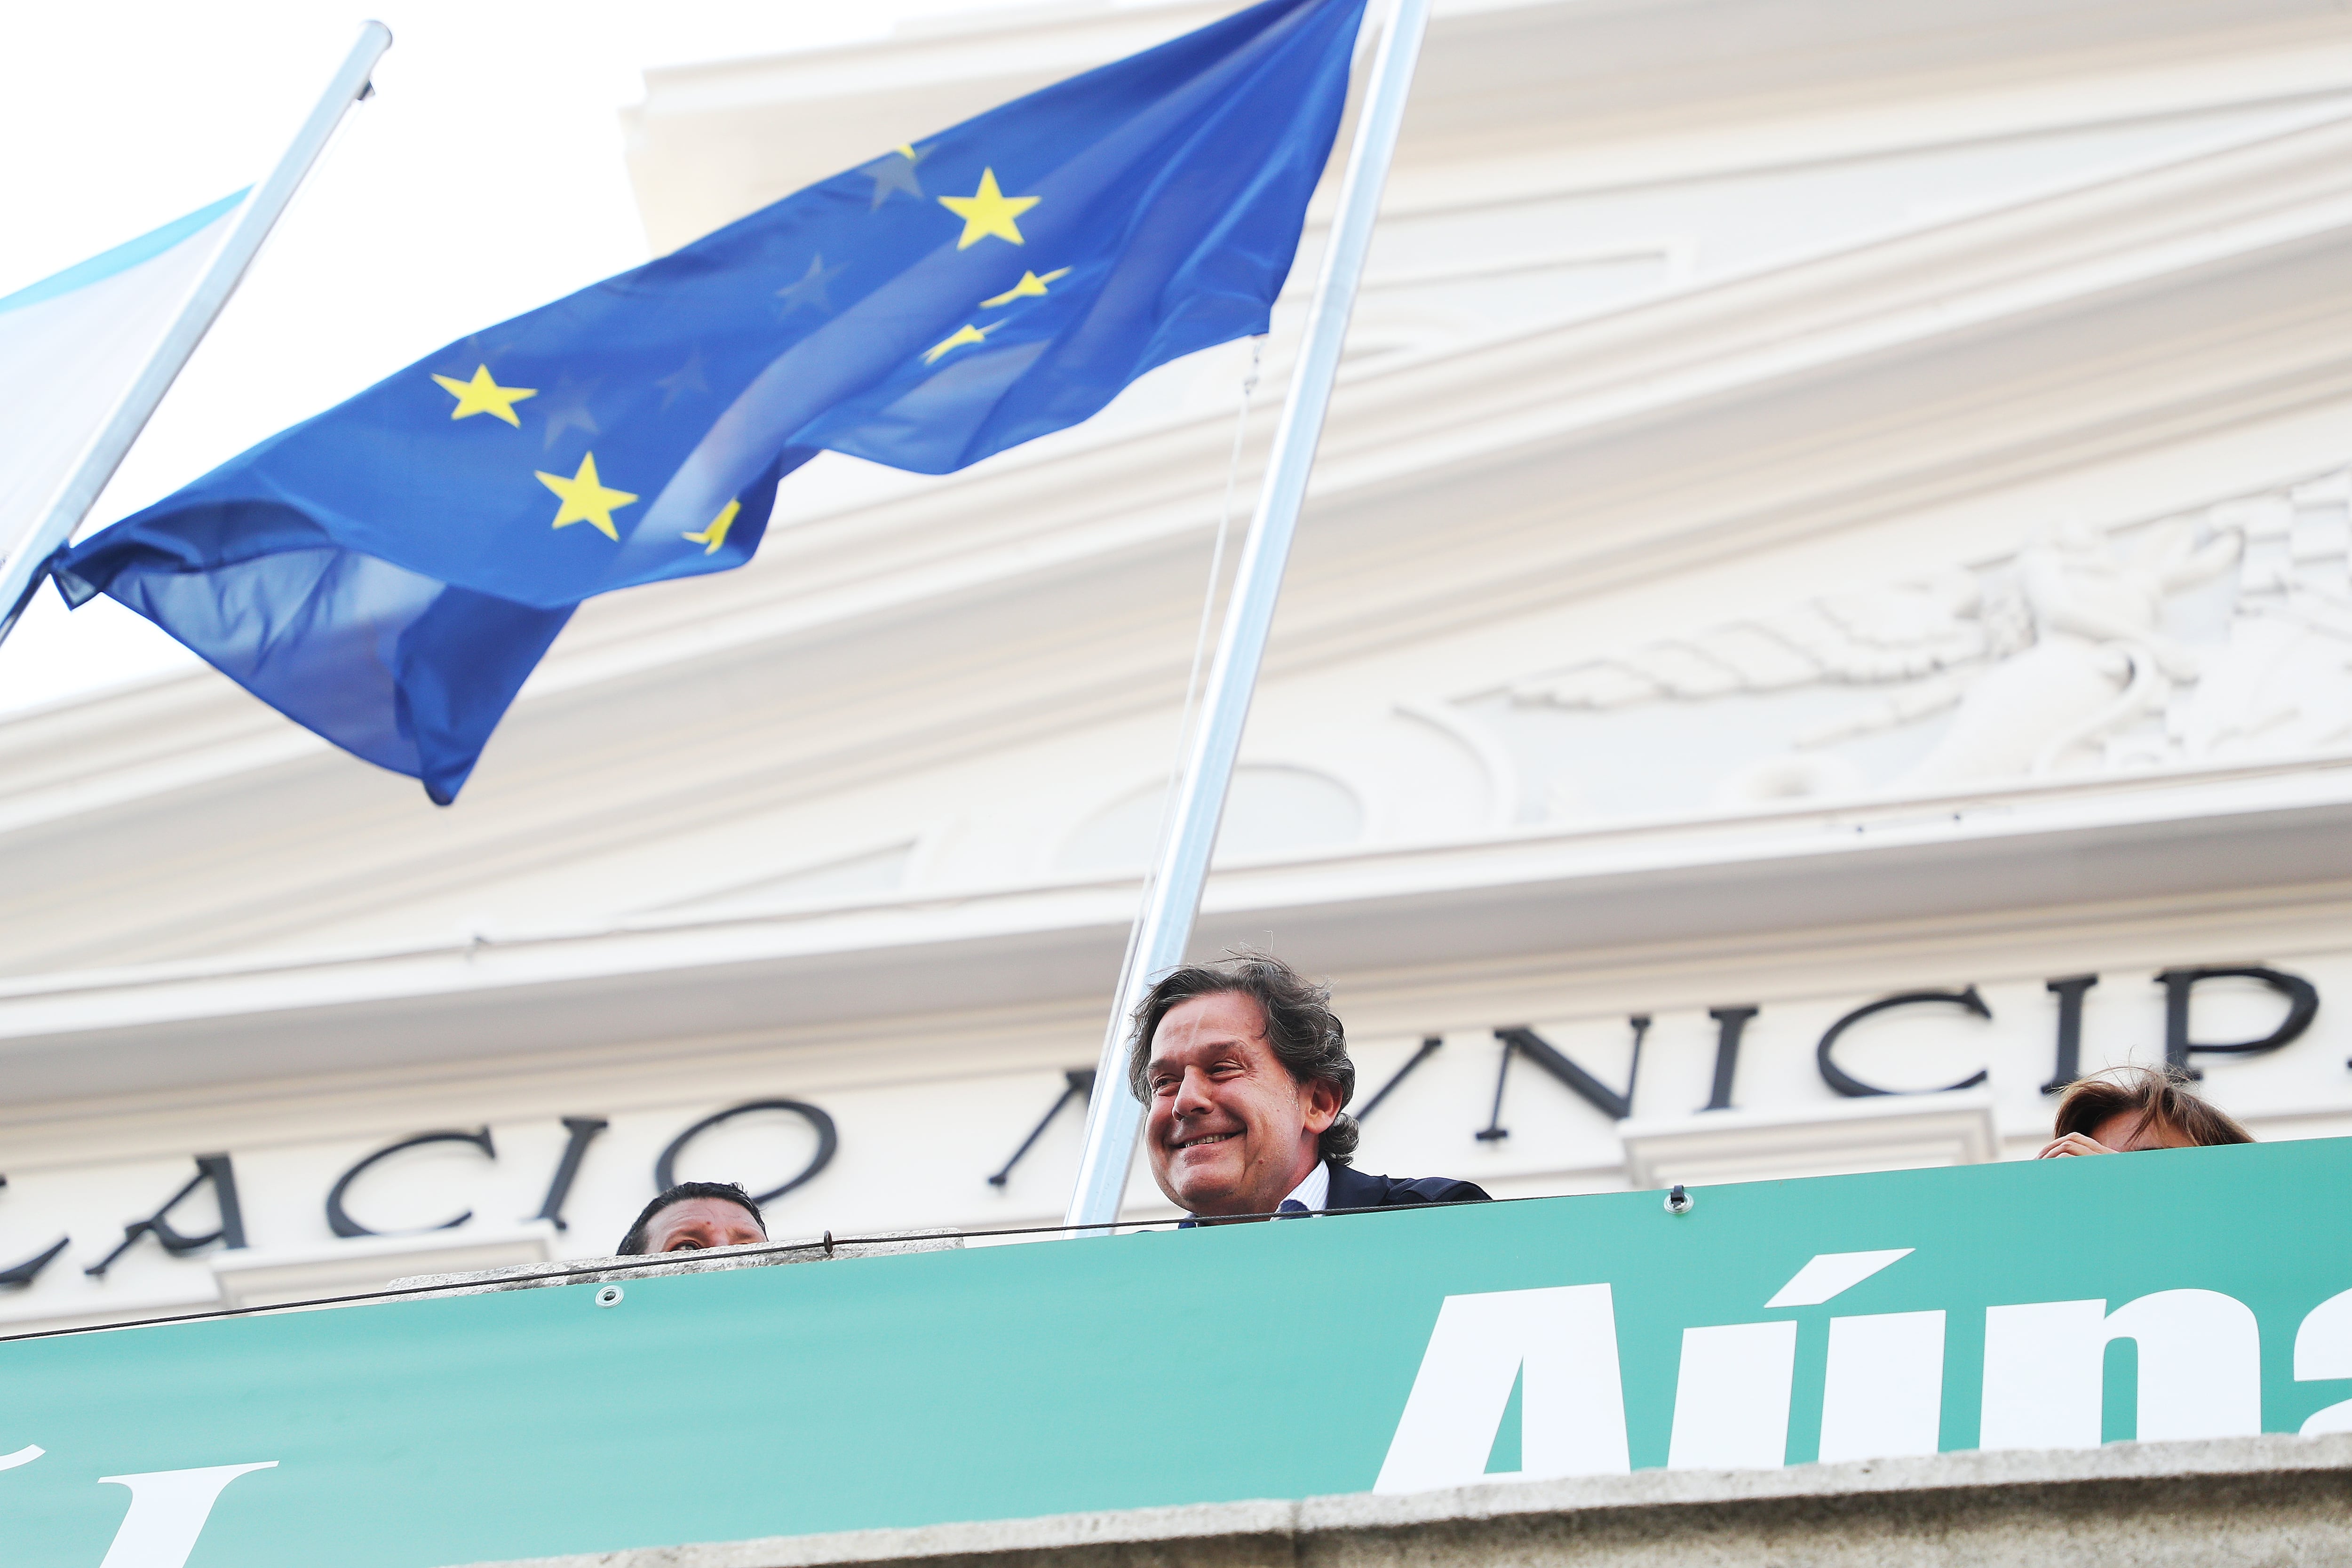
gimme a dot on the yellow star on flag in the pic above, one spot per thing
(485, 396)
(967, 333)
(987, 211)
(711, 537)
(586, 499)
(1029, 286)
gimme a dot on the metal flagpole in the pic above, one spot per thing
(20, 574)
(1172, 897)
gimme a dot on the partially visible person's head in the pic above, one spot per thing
(1243, 1071)
(695, 1215)
(2135, 1108)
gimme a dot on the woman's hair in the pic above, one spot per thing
(2158, 1097)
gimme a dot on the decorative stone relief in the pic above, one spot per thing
(2221, 634)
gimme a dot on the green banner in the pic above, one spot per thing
(2057, 1303)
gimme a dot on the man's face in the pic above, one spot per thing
(1231, 1131)
(691, 1224)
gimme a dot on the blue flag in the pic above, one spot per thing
(388, 573)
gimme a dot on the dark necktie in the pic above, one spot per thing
(1289, 1207)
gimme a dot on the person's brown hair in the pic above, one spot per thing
(2161, 1097)
(1306, 1036)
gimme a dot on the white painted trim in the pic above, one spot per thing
(1503, 785)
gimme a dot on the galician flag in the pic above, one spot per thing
(70, 346)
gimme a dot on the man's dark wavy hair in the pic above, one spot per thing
(633, 1244)
(1306, 1036)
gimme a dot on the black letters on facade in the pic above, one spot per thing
(827, 1140)
(2300, 995)
(1077, 1083)
(17, 1275)
(1526, 1042)
(339, 1219)
(579, 1132)
(2069, 1065)
(1428, 1048)
(213, 1169)
(1731, 1023)
(1845, 1083)
(2302, 1008)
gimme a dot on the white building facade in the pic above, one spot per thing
(1828, 589)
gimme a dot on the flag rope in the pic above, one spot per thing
(1191, 689)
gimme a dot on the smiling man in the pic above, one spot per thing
(1243, 1073)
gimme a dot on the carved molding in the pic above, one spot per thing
(2220, 635)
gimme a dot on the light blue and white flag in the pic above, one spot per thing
(72, 344)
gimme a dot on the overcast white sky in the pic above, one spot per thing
(484, 179)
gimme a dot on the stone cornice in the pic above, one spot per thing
(2269, 1499)
(960, 953)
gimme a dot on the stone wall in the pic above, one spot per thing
(2270, 1500)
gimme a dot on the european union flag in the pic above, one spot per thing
(389, 572)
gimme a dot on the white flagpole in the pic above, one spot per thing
(19, 573)
(1172, 897)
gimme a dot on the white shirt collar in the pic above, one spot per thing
(1316, 1190)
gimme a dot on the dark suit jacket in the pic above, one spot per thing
(1354, 1189)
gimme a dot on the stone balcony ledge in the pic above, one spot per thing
(2270, 1500)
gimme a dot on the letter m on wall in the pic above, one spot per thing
(1557, 1346)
